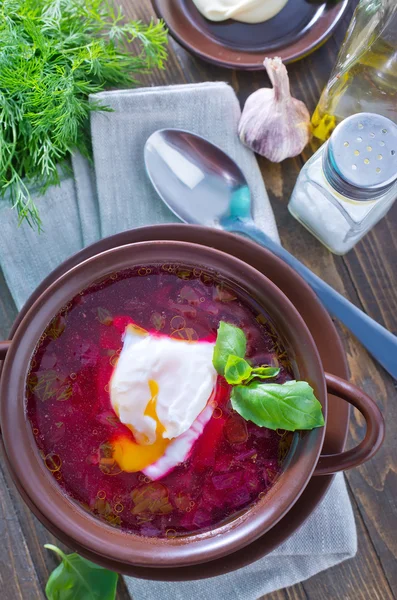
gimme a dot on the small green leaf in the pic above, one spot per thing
(263, 373)
(78, 578)
(230, 340)
(237, 370)
(289, 406)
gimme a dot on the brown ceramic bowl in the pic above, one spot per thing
(99, 541)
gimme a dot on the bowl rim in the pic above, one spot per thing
(88, 531)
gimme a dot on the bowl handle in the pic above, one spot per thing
(4, 346)
(374, 435)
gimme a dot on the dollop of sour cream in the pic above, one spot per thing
(246, 11)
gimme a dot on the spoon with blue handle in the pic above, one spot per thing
(202, 185)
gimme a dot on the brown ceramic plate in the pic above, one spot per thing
(328, 344)
(298, 29)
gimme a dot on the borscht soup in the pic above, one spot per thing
(131, 418)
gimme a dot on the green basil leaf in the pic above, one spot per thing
(263, 373)
(291, 405)
(237, 370)
(77, 577)
(230, 340)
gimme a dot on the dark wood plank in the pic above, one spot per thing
(33, 534)
(295, 592)
(361, 578)
(122, 591)
(372, 270)
(18, 576)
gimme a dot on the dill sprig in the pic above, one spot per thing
(53, 54)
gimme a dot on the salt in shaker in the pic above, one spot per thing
(350, 183)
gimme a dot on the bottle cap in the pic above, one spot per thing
(360, 161)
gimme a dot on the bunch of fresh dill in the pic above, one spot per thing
(53, 54)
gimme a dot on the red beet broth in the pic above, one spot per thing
(232, 464)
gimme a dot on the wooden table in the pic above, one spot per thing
(367, 276)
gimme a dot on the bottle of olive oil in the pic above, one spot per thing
(365, 76)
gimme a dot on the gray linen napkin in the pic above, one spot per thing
(118, 196)
(327, 538)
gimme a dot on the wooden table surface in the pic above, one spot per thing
(367, 276)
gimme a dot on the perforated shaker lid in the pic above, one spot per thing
(360, 161)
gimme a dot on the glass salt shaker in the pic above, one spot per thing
(350, 183)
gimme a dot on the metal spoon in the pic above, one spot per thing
(202, 185)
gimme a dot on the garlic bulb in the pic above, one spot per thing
(273, 123)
